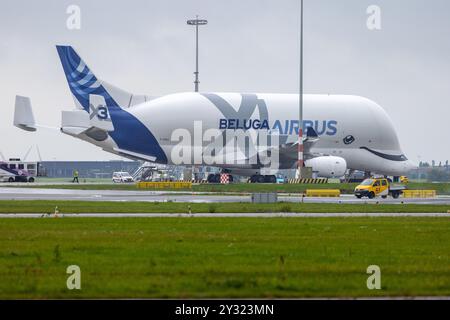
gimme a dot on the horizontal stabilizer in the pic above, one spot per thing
(75, 118)
(23, 114)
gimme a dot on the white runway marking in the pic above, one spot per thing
(220, 215)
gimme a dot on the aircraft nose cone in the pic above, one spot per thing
(409, 165)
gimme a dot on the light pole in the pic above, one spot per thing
(419, 168)
(300, 99)
(196, 22)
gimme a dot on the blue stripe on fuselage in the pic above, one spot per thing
(131, 134)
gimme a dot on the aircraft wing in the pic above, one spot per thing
(287, 150)
(291, 147)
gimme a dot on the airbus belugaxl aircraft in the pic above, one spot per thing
(247, 134)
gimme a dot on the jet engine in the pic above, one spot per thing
(328, 166)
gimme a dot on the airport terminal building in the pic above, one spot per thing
(86, 169)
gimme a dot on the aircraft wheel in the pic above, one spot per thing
(257, 178)
(210, 178)
(270, 179)
(213, 178)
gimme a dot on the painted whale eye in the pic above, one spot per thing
(349, 139)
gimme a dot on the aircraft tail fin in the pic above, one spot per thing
(83, 83)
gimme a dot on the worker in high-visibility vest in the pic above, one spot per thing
(75, 176)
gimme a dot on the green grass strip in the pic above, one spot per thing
(219, 257)
(48, 206)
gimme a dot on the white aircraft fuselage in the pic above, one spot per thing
(350, 127)
(348, 132)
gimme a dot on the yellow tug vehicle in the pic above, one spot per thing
(374, 187)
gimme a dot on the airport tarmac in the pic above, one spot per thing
(222, 215)
(183, 196)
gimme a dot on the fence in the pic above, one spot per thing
(164, 185)
(419, 193)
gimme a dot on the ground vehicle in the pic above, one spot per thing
(16, 170)
(122, 176)
(281, 179)
(373, 187)
(404, 179)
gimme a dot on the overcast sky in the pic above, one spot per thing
(248, 46)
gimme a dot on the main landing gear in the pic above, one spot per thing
(258, 178)
(215, 178)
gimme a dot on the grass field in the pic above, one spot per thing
(441, 188)
(48, 206)
(220, 257)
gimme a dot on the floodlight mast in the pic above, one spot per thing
(196, 22)
(300, 162)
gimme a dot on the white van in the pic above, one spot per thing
(122, 177)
